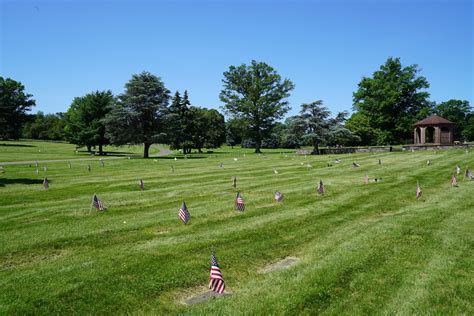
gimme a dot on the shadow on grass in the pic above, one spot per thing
(108, 153)
(4, 181)
(16, 145)
(172, 157)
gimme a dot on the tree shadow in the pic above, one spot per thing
(5, 181)
(108, 153)
(172, 157)
(16, 145)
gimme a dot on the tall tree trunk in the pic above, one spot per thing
(257, 146)
(316, 148)
(146, 150)
(89, 148)
(100, 150)
(199, 150)
(258, 141)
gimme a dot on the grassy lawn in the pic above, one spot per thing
(363, 249)
(37, 150)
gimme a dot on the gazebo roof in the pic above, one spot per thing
(434, 120)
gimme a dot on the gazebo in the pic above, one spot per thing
(434, 130)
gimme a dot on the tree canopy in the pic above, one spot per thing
(390, 101)
(14, 103)
(458, 112)
(140, 113)
(256, 95)
(85, 119)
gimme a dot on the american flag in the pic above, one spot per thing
(141, 184)
(36, 163)
(216, 283)
(69, 164)
(89, 168)
(458, 169)
(235, 182)
(98, 203)
(239, 203)
(366, 179)
(172, 168)
(321, 189)
(184, 214)
(468, 174)
(46, 183)
(101, 162)
(454, 181)
(380, 162)
(221, 165)
(418, 191)
(278, 196)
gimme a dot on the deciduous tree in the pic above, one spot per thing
(14, 104)
(256, 94)
(391, 100)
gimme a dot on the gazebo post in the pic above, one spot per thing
(437, 135)
(423, 135)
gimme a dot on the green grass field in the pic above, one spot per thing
(363, 249)
(37, 150)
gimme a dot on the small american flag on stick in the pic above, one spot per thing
(418, 191)
(278, 196)
(366, 179)
(141, 184)
(454, 181)
(234, 182)
(98, 203)
(321, 189)
(468, 174)
(216, 283)
(239, 203)
(46, 183)
(183, 213)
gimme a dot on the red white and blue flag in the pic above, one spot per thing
(454, 181)
(46, 183)
(183, 213)
(239, 203)
(216, 284)
(321, 189)
(98, 203)
(141, 184)
(278, 196)
(468, 174)
(418, 191)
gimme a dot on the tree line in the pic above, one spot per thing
(255, 99)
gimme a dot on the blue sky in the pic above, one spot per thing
(63, 49)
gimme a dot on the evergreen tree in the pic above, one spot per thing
(141, 113)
